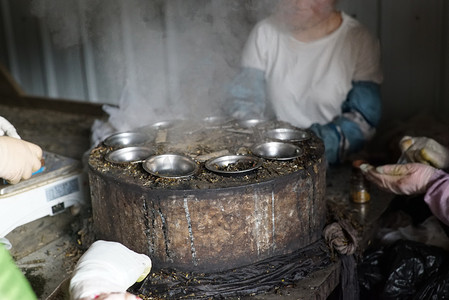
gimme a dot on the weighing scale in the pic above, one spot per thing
(61, 183)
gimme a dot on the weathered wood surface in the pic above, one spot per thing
(211, 222)
(212, 230)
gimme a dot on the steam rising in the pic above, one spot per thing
(156, 60)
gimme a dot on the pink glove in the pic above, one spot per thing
(407, 179)
(18, 159)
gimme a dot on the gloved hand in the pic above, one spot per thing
(107, 270)
(18, 159)
(424, 150)
(8, 129)
(406, 179)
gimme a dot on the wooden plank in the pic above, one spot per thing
(11, 94)
(316, 286)
(30, 237)
(69, 106)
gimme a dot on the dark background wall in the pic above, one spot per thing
(146, 54)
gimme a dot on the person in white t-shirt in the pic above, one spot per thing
(315, 67)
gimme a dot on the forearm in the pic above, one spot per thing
(437, 196)
(246, 94)
(357, 124)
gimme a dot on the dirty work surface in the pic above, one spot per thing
(50, 247)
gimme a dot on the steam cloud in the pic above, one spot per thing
(156, 60)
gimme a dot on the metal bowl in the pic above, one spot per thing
(170, 165)
(124, 139)
(251, 122)
(129, 155)
(233, 164)
(288, 134)
(277, 151)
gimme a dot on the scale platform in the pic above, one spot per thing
(60, 185)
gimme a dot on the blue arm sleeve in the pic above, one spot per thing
(331, 139)
(246, 95)
(364, 98)
(361, 113)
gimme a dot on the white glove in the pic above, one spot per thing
(8, 129)
(424, 150)
(18, 159)
(107, 269)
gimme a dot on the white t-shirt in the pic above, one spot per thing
(308, 82)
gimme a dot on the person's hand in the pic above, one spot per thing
(107, 269)
(18, 159)
(406, 179)
(424, 150)
(8, 129)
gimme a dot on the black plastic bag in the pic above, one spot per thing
(404, 270)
